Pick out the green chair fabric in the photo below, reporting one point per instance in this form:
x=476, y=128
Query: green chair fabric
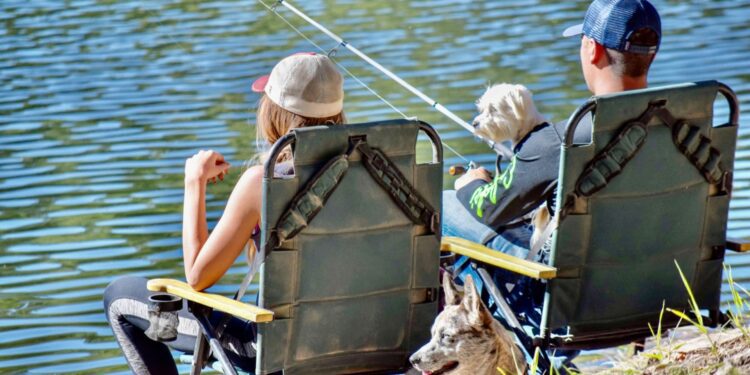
x=356, y=290
x=615, y=248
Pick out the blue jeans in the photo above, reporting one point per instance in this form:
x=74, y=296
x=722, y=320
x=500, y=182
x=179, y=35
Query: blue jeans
x=458, y=222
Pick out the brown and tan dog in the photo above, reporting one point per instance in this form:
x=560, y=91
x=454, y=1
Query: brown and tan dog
x=466, y=339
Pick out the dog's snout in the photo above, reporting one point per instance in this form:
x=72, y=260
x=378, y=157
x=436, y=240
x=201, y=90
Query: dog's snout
x=475, y=123
x=415, y=360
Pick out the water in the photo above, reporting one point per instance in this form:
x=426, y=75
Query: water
x=102, y=101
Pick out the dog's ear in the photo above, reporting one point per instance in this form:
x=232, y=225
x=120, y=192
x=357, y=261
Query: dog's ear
x=478, y=314
x=452, y=295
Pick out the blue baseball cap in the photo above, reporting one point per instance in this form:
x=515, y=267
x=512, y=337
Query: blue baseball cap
x=612, y=22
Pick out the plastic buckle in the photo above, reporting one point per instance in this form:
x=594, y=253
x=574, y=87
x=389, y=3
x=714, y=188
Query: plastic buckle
x=354, y=142
x=726, y=182
x=559, y=339
x=435, y=222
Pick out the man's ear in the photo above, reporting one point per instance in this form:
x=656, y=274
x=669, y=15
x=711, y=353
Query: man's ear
x=599, y=53
x=452, y=295
x=593, y=52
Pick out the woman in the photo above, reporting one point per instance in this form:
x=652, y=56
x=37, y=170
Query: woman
x=303, y=89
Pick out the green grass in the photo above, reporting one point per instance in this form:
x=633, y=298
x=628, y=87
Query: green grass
x=737, y=315
x=663, y=353
x=696, y=310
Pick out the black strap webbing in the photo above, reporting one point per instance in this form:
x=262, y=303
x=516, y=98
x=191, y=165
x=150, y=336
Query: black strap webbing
x=610, y=161
x=698, y=149
x=308, y=201
x=390, y=178
x=312, y=197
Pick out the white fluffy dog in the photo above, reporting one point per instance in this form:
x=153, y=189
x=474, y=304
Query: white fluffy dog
x=506, y=112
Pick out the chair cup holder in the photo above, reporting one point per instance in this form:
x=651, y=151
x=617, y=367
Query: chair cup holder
x=162, y=316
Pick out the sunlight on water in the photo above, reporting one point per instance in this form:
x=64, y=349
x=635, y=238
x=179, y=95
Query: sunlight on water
x=102, y=101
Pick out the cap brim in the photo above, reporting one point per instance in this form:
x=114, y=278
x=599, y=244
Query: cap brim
x=260, y=84
x=573, y=31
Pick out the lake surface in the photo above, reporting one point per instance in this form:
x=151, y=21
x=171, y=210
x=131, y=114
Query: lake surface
x=102, y=101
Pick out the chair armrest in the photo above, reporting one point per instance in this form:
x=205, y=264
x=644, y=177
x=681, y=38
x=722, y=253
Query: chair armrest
x=495, y=258
x=739, y=245
x=240, y=309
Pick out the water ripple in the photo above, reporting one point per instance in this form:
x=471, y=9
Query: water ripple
x=102, y=101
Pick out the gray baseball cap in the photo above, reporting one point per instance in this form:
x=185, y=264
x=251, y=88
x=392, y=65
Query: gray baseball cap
x=308, y=84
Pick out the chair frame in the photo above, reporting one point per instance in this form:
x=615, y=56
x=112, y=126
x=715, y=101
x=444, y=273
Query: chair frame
x=201, y=304
x=484, y=257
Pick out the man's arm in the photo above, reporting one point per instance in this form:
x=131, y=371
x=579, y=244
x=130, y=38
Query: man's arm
x=508, y=196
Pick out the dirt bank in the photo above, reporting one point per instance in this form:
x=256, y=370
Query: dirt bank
x=691, y=353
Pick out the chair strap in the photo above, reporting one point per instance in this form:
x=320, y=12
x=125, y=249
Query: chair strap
x=308, y=201
x=610, y=161
x=686, y=137
x=697, y=148
x=312, y=197
x=390, y=178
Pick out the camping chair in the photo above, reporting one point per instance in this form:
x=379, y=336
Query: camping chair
x=651, y=189
x=353, y=289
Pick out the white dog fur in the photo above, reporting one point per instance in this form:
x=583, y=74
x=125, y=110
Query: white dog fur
x=506, y=112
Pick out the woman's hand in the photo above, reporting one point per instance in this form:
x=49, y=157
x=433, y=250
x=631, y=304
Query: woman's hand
x=206, y=166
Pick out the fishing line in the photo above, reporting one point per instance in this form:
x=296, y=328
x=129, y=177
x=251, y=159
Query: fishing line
x=342, y=43
x=349, y=73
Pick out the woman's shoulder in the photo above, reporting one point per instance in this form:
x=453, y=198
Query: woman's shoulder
x=251, y=177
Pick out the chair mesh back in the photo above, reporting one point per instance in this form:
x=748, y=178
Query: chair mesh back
x=615, y=253
x=354, y=291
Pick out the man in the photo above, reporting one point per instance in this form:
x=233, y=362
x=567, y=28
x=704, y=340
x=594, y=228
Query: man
x=619, y=40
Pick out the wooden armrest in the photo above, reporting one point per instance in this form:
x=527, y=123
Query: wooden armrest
x=739, y=245
x=240, y=309
x=492, y=257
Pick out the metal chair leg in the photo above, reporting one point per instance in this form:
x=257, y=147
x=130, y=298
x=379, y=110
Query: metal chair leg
x=213, y=341
x=496, y=295
x=527, y=344
x=208, y=335
x=199, y=354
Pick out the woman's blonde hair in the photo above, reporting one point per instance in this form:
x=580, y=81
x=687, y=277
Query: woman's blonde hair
x=273, y=122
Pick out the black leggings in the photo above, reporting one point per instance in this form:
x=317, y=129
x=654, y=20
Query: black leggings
x=126, y=308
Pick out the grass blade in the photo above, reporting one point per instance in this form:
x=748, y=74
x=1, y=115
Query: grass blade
x=693, y=303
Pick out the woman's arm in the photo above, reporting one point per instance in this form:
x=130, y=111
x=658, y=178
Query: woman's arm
x=208, y=257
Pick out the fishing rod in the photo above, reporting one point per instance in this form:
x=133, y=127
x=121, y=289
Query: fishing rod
x=497, y=147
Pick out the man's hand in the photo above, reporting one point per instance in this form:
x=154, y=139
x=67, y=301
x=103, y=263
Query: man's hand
x=473, y=175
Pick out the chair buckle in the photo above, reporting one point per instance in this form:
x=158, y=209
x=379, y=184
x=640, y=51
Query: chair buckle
x=435, y=222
